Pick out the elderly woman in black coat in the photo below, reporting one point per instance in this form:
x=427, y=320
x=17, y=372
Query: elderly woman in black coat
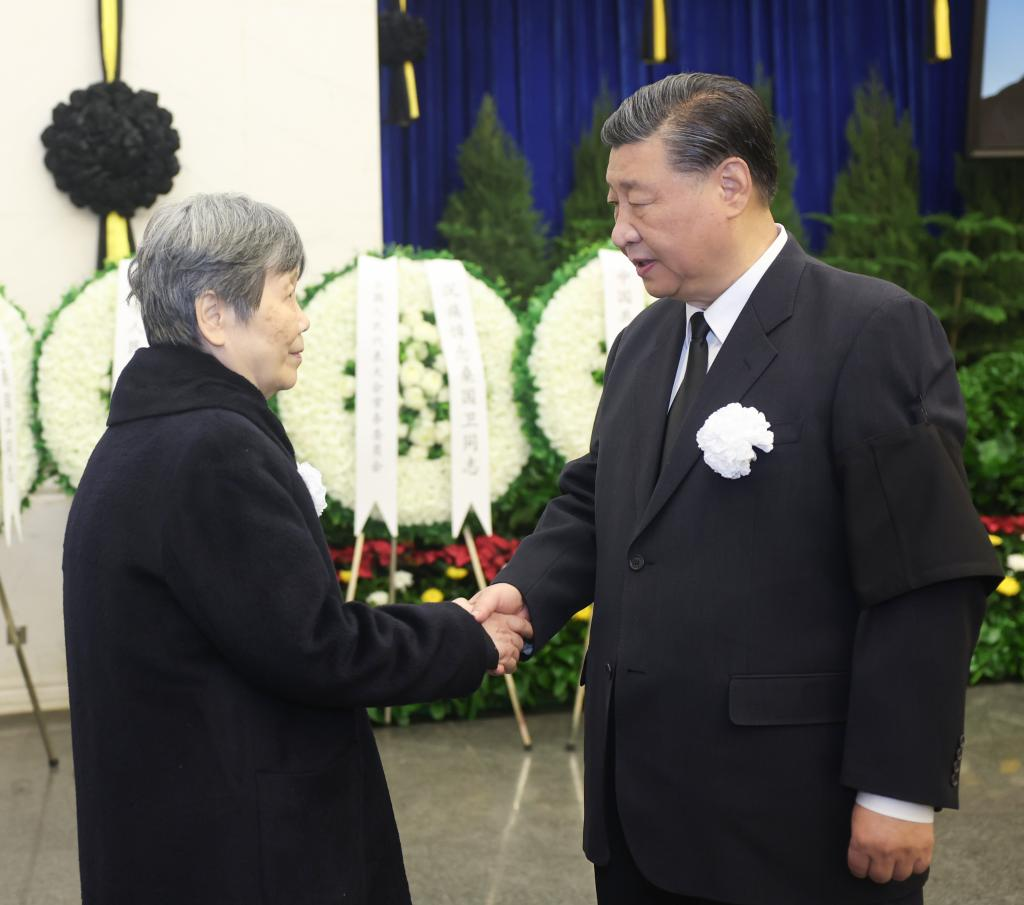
x=223, y=755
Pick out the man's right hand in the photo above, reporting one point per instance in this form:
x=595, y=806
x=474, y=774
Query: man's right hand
x=502, y=600
x=508, y=627
x=498, y=598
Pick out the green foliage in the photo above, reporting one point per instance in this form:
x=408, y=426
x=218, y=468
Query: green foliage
x=492, y=220
x=1000, y=652
x=784, y=206
x=876, y=227
x=586, y=216
x=993, y=391
x=978, y=283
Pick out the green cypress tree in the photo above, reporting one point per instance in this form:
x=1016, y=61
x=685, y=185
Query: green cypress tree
x=587, y=218
x=876, y=223
x=492, y=220
x=784, y=207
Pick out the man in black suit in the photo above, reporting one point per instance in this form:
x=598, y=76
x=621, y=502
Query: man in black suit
x=780, y=645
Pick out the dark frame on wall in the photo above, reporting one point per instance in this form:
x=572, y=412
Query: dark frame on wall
x=995, y=125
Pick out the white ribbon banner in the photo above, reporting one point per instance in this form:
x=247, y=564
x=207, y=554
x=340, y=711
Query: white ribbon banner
x=623, y=293
x=129, y=332
x=467, y=389
x=9, y=442
x=377, y=392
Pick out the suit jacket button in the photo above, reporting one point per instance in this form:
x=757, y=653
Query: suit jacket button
x=636, y=562
x=954, y=780
x=963, y=740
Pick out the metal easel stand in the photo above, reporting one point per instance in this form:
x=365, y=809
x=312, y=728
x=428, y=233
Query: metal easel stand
x=12, y=634
x=510, y=685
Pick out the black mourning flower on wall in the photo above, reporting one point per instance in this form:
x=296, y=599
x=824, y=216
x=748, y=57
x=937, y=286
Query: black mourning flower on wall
x=402, y=37
x=112, y=148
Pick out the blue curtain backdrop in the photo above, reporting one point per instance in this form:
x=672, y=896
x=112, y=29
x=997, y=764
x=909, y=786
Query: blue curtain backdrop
x=544, y=62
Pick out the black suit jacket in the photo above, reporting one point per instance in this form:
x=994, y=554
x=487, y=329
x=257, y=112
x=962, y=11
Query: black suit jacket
x=222, y=752
x=773, y=643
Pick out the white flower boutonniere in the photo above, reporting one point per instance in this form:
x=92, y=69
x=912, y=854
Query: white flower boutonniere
x=729, y=437
x=315, y=486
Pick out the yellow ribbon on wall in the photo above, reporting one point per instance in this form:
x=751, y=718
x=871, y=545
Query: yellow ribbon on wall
x=110, y=37
x=943, y=42
x=118, y=243
x=659, y=32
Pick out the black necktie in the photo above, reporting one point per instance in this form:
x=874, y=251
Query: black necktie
x=693, y=377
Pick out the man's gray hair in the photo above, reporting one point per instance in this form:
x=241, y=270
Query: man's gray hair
x=225, y=244
x=704, y=119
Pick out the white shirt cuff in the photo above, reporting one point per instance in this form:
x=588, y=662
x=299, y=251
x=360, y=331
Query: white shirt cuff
x=893, y=807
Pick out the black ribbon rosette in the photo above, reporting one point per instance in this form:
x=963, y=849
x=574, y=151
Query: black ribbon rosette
x=403, y=41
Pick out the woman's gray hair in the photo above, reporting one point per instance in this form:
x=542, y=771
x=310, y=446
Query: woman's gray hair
x=707, y=118
x=225, y=244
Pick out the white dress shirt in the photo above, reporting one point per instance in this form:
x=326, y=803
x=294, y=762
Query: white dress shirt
x=721, y=315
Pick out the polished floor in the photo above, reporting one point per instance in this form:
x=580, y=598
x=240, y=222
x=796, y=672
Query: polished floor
x=484, y=823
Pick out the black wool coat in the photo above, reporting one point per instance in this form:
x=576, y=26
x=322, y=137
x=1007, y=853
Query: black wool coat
x=771, y=645
x=218, y=682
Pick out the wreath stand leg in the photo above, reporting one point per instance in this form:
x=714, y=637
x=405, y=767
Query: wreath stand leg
x=392, y=568
x=357, y=564
x=510, y=685
x=12, y=634
x=577, y=706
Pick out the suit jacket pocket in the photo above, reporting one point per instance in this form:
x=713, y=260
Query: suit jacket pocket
x=311, y=836
x=797, y=700
x=788, y=432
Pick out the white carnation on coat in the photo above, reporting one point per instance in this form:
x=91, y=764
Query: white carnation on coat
x=730, y=436
x=315, y=486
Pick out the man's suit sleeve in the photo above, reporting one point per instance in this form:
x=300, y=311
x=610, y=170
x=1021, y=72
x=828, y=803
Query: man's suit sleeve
x=553, y=568
x=920, y=560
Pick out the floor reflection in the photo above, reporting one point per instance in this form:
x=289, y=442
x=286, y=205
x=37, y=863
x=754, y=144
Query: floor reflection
x=484, y=823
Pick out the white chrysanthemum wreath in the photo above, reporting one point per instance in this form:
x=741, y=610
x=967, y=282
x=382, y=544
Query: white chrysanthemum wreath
x=73, y=375
x=22, y=345
x=566, y=362
x=319, y=413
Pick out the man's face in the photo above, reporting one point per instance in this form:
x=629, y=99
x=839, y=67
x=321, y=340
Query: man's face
x=671, y=225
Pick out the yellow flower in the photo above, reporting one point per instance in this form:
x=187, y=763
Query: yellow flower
x=432, y=595
x=584, y=614
x=1009, y=587
x=456, y=572
x=345, y=575
x=995, y=540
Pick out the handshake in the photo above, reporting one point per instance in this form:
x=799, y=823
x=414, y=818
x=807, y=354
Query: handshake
x=501, y=611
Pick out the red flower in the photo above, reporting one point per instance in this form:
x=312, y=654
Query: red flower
x=1003, y=524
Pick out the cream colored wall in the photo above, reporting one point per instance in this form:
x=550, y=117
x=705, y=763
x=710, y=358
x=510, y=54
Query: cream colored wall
x=276, y=99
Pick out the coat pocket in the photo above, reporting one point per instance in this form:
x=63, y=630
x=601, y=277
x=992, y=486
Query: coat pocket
x=797, y=700
x=311, y=836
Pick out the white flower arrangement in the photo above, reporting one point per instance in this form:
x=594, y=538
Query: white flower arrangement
x=730, y=436
x=568, y=358
x=22, y=345
x=315, y=485
x=319, y=413
x=74, y=373
x=1015, y=562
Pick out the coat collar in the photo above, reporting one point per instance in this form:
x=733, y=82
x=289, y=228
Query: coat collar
x=742, y=360
x=166, y=380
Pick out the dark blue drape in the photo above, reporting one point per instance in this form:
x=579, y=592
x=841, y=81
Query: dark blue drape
x=544, y=62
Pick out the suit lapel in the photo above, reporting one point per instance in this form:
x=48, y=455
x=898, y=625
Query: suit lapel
x=655, y=372
x=741, y=361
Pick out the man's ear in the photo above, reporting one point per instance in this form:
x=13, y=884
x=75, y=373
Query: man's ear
x=736, y=184
x=211, y=318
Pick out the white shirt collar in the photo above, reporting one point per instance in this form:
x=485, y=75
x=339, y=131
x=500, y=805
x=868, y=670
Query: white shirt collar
x=721, y=314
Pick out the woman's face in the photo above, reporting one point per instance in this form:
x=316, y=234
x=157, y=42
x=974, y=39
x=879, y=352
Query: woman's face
x=267, y=349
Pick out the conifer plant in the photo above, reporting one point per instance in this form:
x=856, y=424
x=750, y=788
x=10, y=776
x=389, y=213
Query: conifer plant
x=492, y=220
